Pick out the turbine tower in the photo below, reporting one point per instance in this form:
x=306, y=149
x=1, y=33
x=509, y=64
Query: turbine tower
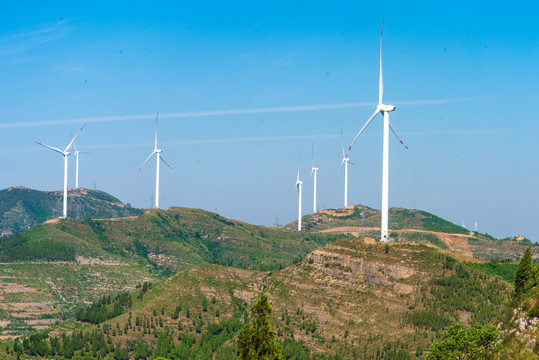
x=77, y=152
x=313, y=172
x=385, y=110
x=65, y=153
x=159, y=157
x=299, y=185
x=345, y=161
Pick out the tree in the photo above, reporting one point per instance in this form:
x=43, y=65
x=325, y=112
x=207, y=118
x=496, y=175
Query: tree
x=478, y=343
x=256, y=340
x=524, y=273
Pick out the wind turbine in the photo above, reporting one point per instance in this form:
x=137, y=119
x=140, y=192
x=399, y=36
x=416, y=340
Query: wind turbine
x=299, y=185
x=345, y=161
x=313, y=172
x=385, y=110
x=77, y=152
x=65, y=153
x=159, y=157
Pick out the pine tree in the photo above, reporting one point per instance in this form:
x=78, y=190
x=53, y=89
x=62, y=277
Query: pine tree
x=524, y=272
x=256, y=340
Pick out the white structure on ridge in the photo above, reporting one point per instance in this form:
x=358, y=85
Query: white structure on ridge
x=77, y=152
x=313, y=172
x=159, y=157
x=385, y=110
x=299, y=185
x=65, y=153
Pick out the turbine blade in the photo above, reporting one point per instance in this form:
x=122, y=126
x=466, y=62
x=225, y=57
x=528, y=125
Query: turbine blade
x=381, y=84
x=397, y=136
x=156, y=130
x=351, y=163
x=161, y=157
x=50, y=147
x=74, y=145
x=145, y=161
x=340, y=167
x=73, y=140
x=362, y=129
x=342, y=146
x=312, y=153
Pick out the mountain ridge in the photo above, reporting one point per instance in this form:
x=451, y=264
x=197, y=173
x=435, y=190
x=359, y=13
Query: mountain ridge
x=22, y=208
x=353, y=298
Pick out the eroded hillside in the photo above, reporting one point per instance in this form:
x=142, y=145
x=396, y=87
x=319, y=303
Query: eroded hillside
x=352, y=297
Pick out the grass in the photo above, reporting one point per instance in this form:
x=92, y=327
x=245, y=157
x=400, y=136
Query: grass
x=504, y=270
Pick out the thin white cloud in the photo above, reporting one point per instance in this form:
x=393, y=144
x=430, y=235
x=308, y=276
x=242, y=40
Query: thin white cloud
x=260, y=138
x=210, y=113
x=19, y=43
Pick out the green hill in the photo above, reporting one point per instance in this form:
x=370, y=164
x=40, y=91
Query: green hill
x=50, y=270
x=416, y=226
x=22, y=208
x=57, y=266
x=351, y=299
x=360, y=215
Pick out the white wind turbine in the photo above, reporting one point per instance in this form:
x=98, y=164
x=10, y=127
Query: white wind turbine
x=313, y=172
x=299, y=185
x=65, y=153
x=159, y=157
x=77, y=152
x=384, y=109
x=345, y=161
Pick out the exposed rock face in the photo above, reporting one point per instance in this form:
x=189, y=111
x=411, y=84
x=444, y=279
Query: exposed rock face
x=520, y=337
x=335, y=262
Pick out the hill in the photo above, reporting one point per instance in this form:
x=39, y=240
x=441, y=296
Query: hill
x=349, y=299
x=416, y=226
x=22, y=208
x=49, y=270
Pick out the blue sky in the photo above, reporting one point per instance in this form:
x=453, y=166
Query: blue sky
x=244, y=88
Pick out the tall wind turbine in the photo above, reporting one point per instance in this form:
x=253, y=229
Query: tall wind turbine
x=159, y=157
x=385, y=110
x=299, y=185
x=65, y=153
x=313, y=172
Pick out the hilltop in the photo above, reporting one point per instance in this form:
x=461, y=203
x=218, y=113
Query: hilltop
x=22, y=208
x=350, y=298
x=416, y=226
x=49, y=270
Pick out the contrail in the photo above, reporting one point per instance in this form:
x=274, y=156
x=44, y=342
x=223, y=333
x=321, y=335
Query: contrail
x=210, y=113
x=265, y=138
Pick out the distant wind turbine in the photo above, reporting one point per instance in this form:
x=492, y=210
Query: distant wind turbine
x=384, y=109
x=77, y=152
x=299, y=185
x=65, y=153
x=345, y=161
x=313, y=173
x=159, y=157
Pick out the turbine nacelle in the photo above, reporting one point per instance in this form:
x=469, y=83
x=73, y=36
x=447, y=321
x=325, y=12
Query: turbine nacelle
x=385, y=108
